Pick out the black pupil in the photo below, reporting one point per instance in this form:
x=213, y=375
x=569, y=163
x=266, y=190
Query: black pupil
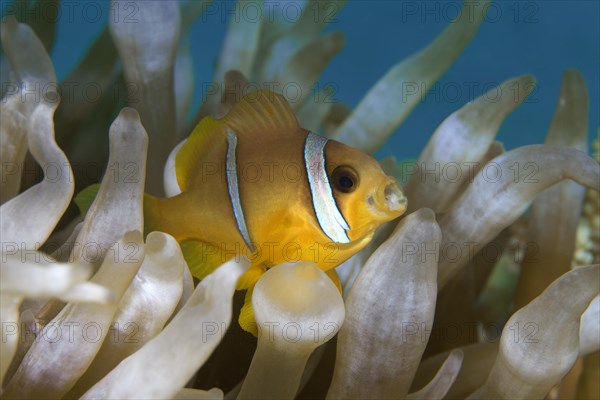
x=345, y=182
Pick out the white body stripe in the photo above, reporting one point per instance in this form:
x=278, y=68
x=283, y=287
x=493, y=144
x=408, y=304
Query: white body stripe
x=330, y=218
x=233, y=188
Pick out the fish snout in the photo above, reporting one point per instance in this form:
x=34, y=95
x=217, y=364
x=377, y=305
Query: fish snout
x=390, y=199
x=394, y=199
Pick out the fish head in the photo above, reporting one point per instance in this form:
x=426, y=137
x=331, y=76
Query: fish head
x=364, y=194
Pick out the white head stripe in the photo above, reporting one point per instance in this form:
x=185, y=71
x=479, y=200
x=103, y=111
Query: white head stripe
x=233, y=188
x=330, y=218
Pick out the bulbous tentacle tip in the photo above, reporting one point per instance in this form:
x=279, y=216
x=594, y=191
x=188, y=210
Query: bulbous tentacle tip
x=425, y=214
x=130, y=112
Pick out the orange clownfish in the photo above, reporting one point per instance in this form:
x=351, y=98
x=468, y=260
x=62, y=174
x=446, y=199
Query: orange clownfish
x=254, y=183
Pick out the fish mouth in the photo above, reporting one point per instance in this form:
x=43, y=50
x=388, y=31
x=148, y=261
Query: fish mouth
x=388, y=200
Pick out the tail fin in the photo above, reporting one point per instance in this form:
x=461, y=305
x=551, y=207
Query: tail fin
x=86, y=197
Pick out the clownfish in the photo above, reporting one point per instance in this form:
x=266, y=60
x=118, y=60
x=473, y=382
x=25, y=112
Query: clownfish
x=254, y=183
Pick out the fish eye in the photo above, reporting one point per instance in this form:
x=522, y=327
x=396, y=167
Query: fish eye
x=344, y=179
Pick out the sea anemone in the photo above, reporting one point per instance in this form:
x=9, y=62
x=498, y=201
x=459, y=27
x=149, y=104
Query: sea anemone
x=486, y=289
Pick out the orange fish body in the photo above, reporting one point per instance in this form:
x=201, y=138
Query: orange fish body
x=254, y=183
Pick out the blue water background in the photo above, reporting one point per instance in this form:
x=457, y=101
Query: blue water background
x=537, y=37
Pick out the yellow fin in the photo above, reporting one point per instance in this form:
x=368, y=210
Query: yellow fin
x=261, y=112
x=248, y=281
x=207, y=136
x=250, y=277
x=246, y=318
x=86, y=197
x=200, y=260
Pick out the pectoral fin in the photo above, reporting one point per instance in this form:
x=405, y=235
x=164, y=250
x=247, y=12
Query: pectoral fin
x=201, y=258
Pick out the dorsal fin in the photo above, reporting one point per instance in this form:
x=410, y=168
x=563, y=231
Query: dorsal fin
x=261, y=112
x=192, y=156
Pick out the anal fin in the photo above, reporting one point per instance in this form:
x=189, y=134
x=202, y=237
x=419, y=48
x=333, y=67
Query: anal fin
x=248, y=281
x=204, y=258
x=246, y=318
